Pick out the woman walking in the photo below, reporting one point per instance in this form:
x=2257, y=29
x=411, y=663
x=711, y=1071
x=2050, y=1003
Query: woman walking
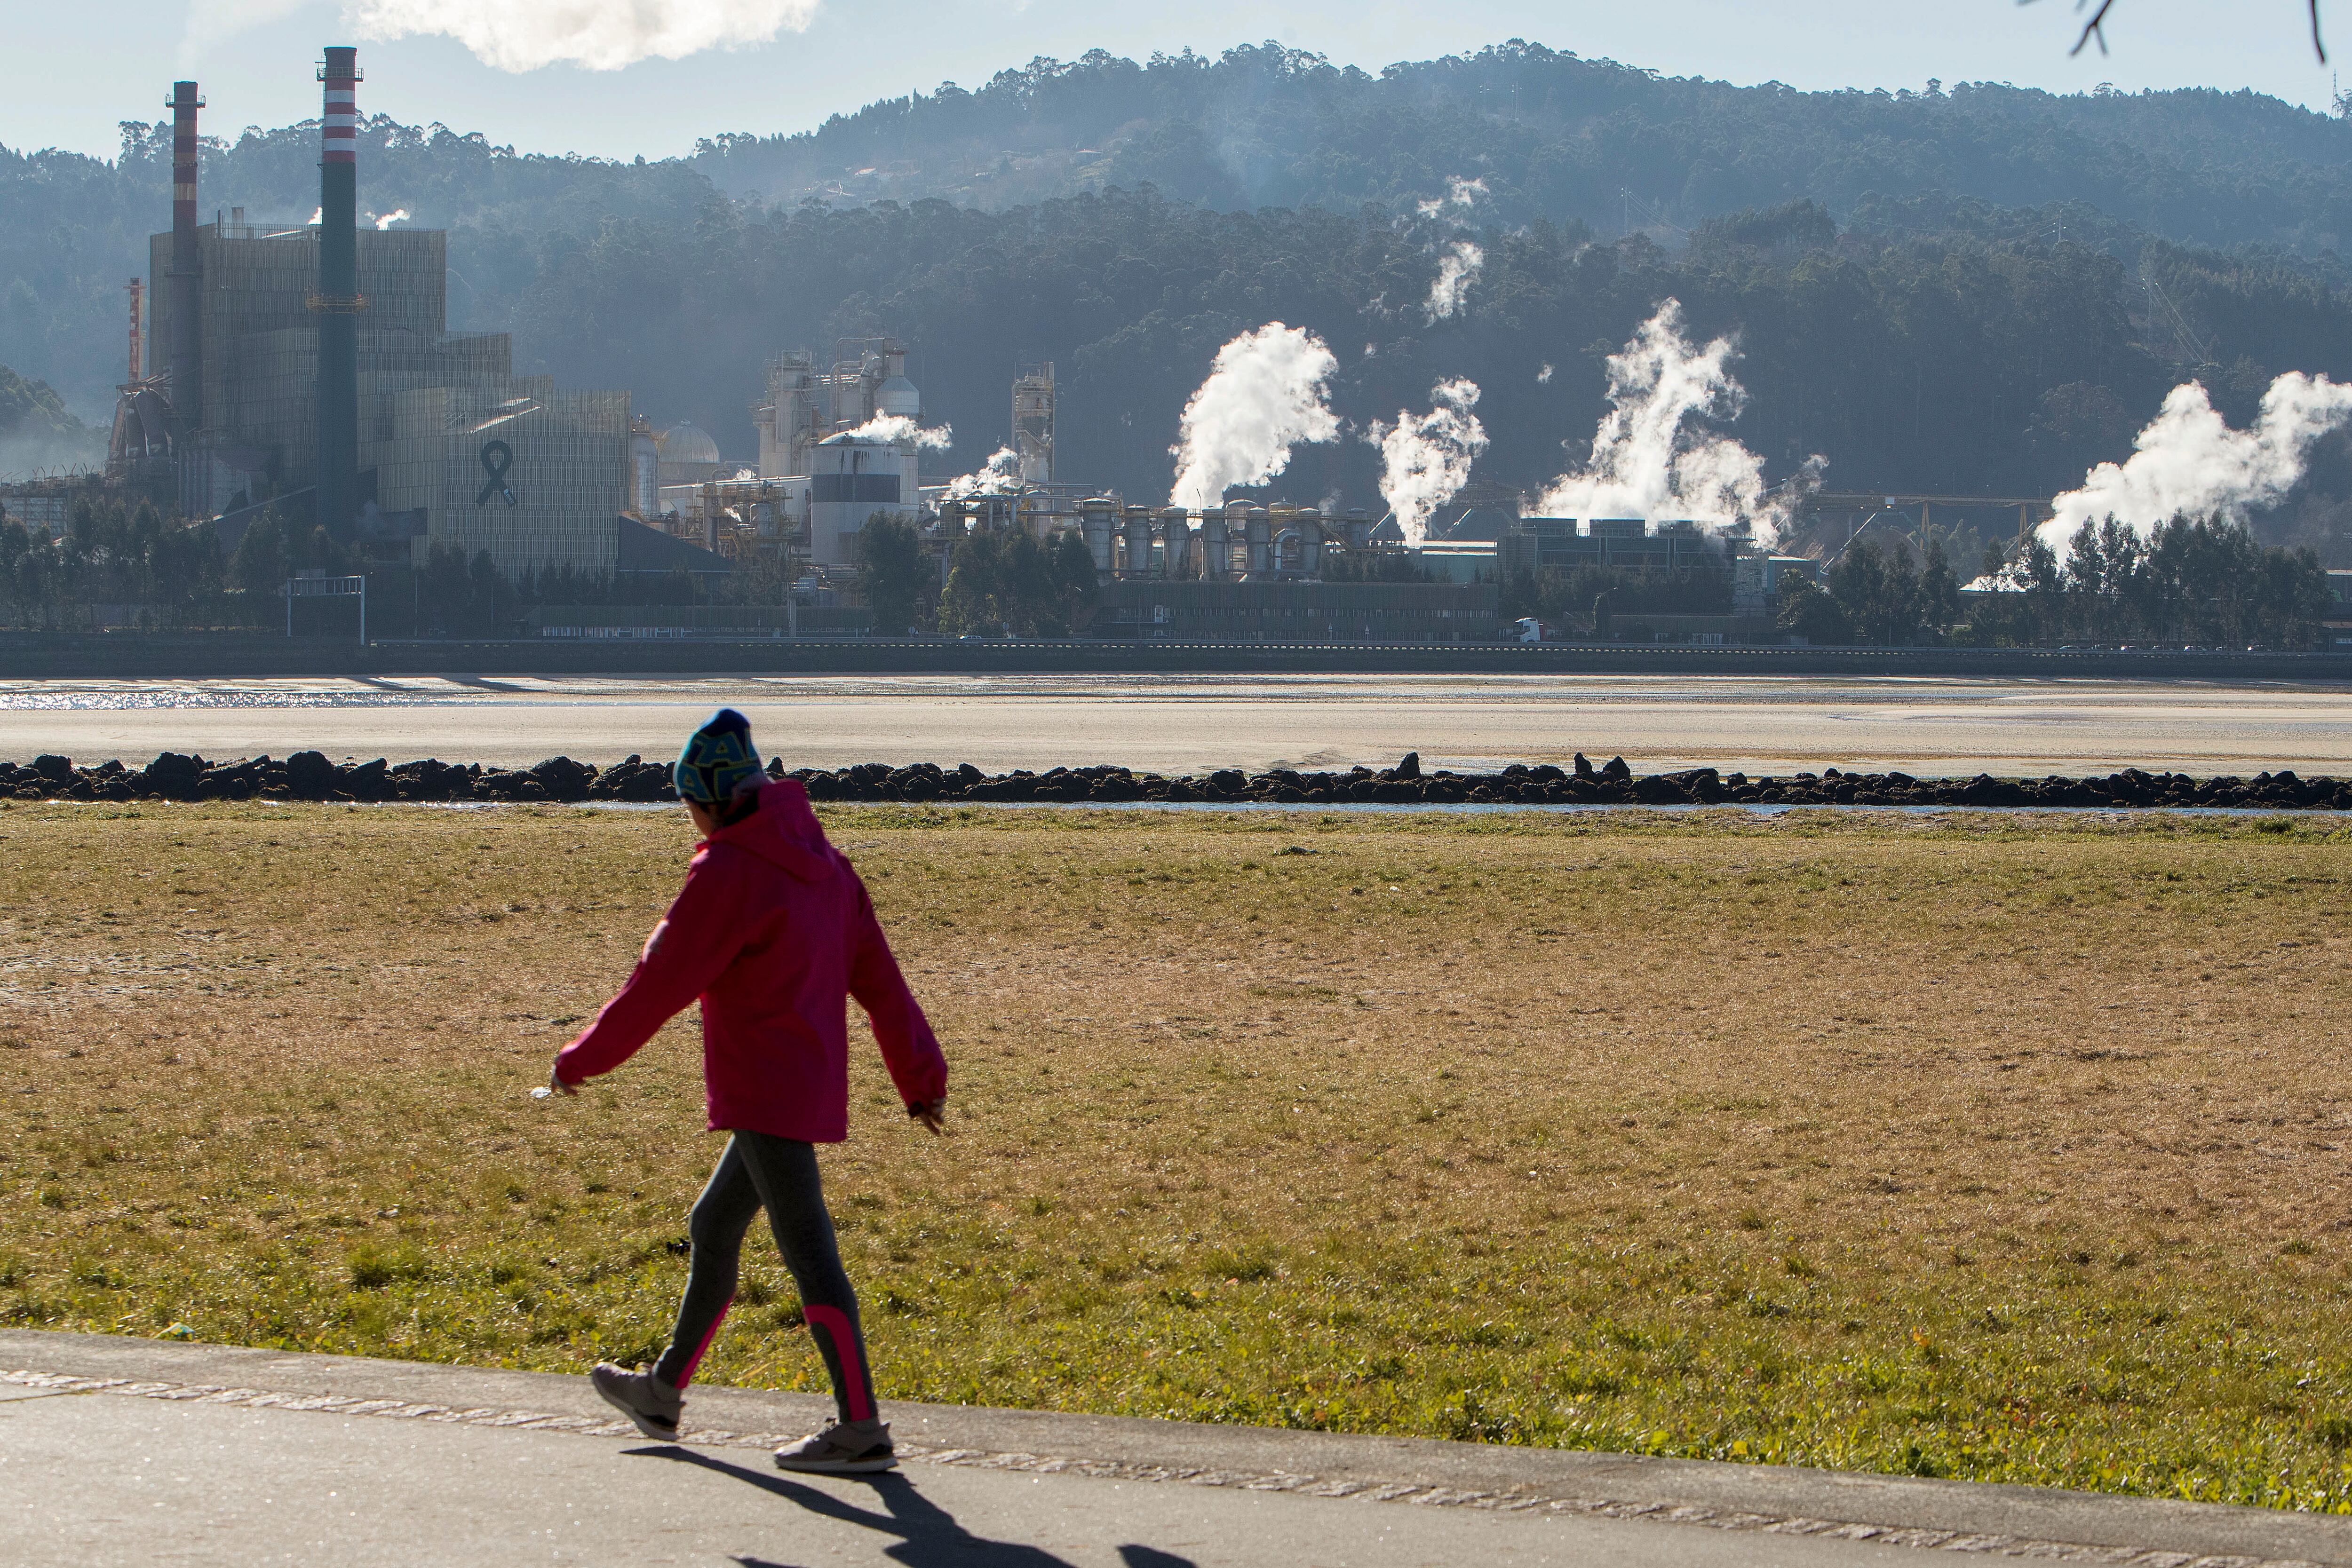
x=774, y=933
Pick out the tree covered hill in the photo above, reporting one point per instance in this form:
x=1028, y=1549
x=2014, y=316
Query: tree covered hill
x=1555, y=136
x=1981, y=288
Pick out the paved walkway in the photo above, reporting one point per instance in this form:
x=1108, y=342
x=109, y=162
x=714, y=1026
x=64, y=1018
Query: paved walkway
x=132, y=1451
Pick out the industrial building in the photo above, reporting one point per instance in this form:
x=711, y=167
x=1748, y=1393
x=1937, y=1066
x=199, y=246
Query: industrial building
x=850, y=431
x=317, y=359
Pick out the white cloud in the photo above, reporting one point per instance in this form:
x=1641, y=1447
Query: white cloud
x=600, y=35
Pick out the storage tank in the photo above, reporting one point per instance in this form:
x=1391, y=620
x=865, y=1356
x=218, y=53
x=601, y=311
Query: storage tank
x=1175, y=544
x=1098, y=521
x=897, y=395
x=855, y=478
x=1260, y=525
x=644, y=474
x=1138, y=541
x=1217, y=552
x=688, y=455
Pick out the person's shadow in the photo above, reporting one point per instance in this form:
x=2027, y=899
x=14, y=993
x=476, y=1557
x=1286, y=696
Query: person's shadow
x=929, y=1535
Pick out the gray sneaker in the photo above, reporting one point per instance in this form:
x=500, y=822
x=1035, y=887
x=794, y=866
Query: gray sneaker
x=846, y=1447
x=643, y=1399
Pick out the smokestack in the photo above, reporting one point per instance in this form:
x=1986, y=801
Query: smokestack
x=138, y=289
x=338, y=301
x=186, y=277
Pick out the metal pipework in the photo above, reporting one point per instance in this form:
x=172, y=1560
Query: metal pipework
x=338, y=301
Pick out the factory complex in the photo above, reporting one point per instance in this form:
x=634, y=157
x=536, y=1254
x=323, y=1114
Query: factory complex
x=311, y=367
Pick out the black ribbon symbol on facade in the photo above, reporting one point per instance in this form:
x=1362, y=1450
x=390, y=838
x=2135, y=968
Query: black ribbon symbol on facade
x=497, y=458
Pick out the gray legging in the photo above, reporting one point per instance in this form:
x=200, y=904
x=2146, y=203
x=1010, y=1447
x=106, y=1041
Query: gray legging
x=762, y=1171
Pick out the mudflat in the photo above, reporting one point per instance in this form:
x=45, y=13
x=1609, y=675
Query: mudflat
x=1195, y=724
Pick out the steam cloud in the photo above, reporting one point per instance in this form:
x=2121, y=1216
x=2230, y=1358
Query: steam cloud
x=1000, y=475
x=602, y=35
x=1649, y=460
x=1424, y=460
x=397, y=215
x=1455, y=269
x=1268, y=390
x=28, y=453
x=895, y=427
x=2190, y=462
x=1459, y=192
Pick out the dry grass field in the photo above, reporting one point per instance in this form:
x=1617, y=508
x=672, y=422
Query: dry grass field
x=2006, y=1149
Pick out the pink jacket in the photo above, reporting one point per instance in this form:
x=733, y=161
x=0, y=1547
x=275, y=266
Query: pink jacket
x=774, y=932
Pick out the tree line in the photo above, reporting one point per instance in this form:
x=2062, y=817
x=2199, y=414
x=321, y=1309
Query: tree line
x=2200, y=583
x=123, y=563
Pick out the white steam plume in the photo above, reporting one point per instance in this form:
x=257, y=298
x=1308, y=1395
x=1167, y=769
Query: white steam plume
x=1649, y=458
x=1459, y=192
x=1000, y=475
x=1455, y=269
x=1426, y=459
x=1268, y=390
x=397, y=215
x=602, y=35
x=2190, y=462
x=895, y=427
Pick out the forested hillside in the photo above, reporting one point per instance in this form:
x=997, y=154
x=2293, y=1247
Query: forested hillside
x=1981, y=289
x=1558, y=137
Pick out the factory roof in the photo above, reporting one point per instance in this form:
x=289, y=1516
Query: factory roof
x=646, y=549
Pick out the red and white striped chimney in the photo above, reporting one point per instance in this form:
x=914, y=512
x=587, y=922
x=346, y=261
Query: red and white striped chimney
x=341, y=129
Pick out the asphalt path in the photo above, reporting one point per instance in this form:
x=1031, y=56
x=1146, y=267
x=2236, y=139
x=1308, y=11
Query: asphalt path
x=1930, y=727
x=124, y=1451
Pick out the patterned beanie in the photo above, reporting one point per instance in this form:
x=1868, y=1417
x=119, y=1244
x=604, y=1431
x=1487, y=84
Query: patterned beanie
x=718, y=760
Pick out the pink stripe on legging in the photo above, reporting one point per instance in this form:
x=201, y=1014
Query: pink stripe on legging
x=859, y=1394
x=707, y=1335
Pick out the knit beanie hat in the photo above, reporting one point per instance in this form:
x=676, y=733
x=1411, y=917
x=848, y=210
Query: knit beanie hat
x=717, y=760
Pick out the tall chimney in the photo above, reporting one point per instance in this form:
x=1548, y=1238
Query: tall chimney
x=138, y=291
x=186, y=278
x=338, y=301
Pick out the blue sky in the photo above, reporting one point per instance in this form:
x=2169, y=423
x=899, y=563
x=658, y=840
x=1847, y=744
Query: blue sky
x=254, y=58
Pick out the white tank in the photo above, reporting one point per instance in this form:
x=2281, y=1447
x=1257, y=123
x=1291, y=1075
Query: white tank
x=897, y=395
x=856, y=477
x=688, y=455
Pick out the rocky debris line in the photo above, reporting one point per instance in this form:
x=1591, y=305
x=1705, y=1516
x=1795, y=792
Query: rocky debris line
x=309, y=776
